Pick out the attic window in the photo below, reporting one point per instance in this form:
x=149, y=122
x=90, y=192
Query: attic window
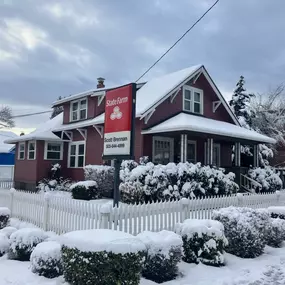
x=192, y=100
x=78, y=110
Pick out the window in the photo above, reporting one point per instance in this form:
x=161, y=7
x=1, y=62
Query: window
x=191, y=151
x=192, y=100
x=162, y=150
x=76, y=154
x=78, y=110
x=32, y=150
x=21, y=154
x=53, y=151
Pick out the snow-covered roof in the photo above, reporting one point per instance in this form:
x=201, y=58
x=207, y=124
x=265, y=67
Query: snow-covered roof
x=44, y=132
x=4, y=135
x=188, y=122
x=95, y=121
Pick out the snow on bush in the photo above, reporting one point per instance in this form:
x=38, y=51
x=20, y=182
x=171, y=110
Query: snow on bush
x=46, y=259
x=23, y=242
x=85, y=190
x=245, y=229
x=277, y=212
x=4, y=244
x=276, y=233
x=268, y=177
x=4, y=217
x=203, y=240
x=164, y=252
x=102, y=257
x=150, y=183
x=104, y=177
x=7, y=231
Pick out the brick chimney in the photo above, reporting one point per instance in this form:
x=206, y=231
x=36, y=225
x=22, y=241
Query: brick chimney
x=100, y=82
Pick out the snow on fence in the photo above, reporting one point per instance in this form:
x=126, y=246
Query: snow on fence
x=6, y=184
x=63, y=215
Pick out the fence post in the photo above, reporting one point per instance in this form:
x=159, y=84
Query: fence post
x=240, y=199
x=105, y=212
x=185, y=209
x=12, y=192
x=46, y=211
x=278, y=196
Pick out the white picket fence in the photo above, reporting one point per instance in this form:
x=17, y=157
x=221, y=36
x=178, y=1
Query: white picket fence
x=63, y=215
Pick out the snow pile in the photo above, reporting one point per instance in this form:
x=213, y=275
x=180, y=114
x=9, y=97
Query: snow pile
x=4, y=217
x=46, y=259
x=7, y=231
x=87, y=184
x=245, y=229
x=277, y=212
x=203, y=240
x=104, y=177
x=149, y=182
x=164, y=250
x=23, y=242
x=276, y=232
x=4, y=244
x=268, y=177
x=85, y=190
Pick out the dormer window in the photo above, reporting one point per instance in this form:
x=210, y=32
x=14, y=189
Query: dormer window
x=192, y=100
x=78, y=110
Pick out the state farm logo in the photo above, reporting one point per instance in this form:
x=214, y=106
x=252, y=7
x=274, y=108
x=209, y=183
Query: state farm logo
x=117, y=114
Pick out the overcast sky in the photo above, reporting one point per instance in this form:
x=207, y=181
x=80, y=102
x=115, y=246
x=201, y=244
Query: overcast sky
x=57, y=48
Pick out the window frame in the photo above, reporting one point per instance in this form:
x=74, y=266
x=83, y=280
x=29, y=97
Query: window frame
x=78, y=109
x=19, y=151
x=195, y=144
x=76, y=143
x=163, y=139
x=34, y=151
x=192, y=101
x=46, y=150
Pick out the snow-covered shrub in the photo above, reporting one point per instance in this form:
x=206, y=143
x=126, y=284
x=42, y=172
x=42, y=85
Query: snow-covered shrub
x=268, y=177
x=104, y=177
x=46, y=259
x=102, y=257
x=245, y=229
x=7, y=231
x=203, y=240
x=4, y=244
x=4, y=217
x=277, y=212
x=85, y=190
x=164, y=252
x=275, y=233
x=151, y=183
x=23, y=242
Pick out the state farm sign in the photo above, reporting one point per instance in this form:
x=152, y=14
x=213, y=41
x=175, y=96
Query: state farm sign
x=119, y=122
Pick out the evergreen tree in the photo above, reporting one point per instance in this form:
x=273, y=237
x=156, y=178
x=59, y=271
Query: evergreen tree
x=240, y=103
x=56, y=110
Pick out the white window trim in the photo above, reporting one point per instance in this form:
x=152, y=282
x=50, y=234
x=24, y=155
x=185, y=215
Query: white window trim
x=218, y=145
x=195, y=144
x=192, y=90
x=164, y=139
x=46, y=150
x=78, y=110
x=76, y=156
x=35, y=150
x=19, y=146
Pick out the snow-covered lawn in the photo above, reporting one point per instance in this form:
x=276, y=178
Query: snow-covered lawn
x=267, y=269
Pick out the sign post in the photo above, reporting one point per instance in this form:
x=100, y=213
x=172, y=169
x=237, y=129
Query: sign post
x=120, y=104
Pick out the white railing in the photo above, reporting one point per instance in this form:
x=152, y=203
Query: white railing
x=249, y=184
x=63, y=215
x=6, y=184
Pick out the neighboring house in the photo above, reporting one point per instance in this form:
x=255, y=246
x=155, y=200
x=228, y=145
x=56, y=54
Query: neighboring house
x=180, y=116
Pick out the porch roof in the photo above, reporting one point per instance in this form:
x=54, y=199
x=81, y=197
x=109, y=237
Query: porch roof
x=188, y=122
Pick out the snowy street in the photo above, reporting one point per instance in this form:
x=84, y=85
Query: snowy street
x=267, y=269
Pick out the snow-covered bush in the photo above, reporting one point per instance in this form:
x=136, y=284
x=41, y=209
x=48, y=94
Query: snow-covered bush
x=277, y=212
x=245, y=229
x=275, y=233
x=102, y=257
x=4, y=217
x=104, y=177
x=7, y=231
x=85, y=190
x=268, y=177
x=46, y=259
x=23, y=242
x=164, y=252
x=4, y=244
x=150, y=183
x=203, y=240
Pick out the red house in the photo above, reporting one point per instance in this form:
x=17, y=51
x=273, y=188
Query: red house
x=181, y=116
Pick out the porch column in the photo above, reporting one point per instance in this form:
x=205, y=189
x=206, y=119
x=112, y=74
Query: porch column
x=183, y=151
x=256, y=155
x=210, y=145
x=237, y=154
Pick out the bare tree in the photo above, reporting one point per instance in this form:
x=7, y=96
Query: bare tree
x=6, y=118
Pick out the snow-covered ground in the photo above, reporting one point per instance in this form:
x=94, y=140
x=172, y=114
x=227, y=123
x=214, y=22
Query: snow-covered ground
x=267, y=269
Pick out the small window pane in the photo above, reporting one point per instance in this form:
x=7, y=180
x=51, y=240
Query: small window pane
x=22, y=147
x=197, y=108
x=31, y=146
x=53, y=155
x=22, y=155
x=191, y=152
x=73, y=149
x=197, y=97
x=83, y=104
x=187, y=94
x=74, y=116
x=81, y=149
x=74, y=106
x=187, y=105
x=54, y=147
x=31, y=155
x=72, y=161
x=80, y=161
x=82, y=114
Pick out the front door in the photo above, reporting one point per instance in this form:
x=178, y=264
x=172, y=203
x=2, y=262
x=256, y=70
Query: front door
x=217, y=154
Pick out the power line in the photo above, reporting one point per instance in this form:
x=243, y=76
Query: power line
x=178, y=40
x=31, y=114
